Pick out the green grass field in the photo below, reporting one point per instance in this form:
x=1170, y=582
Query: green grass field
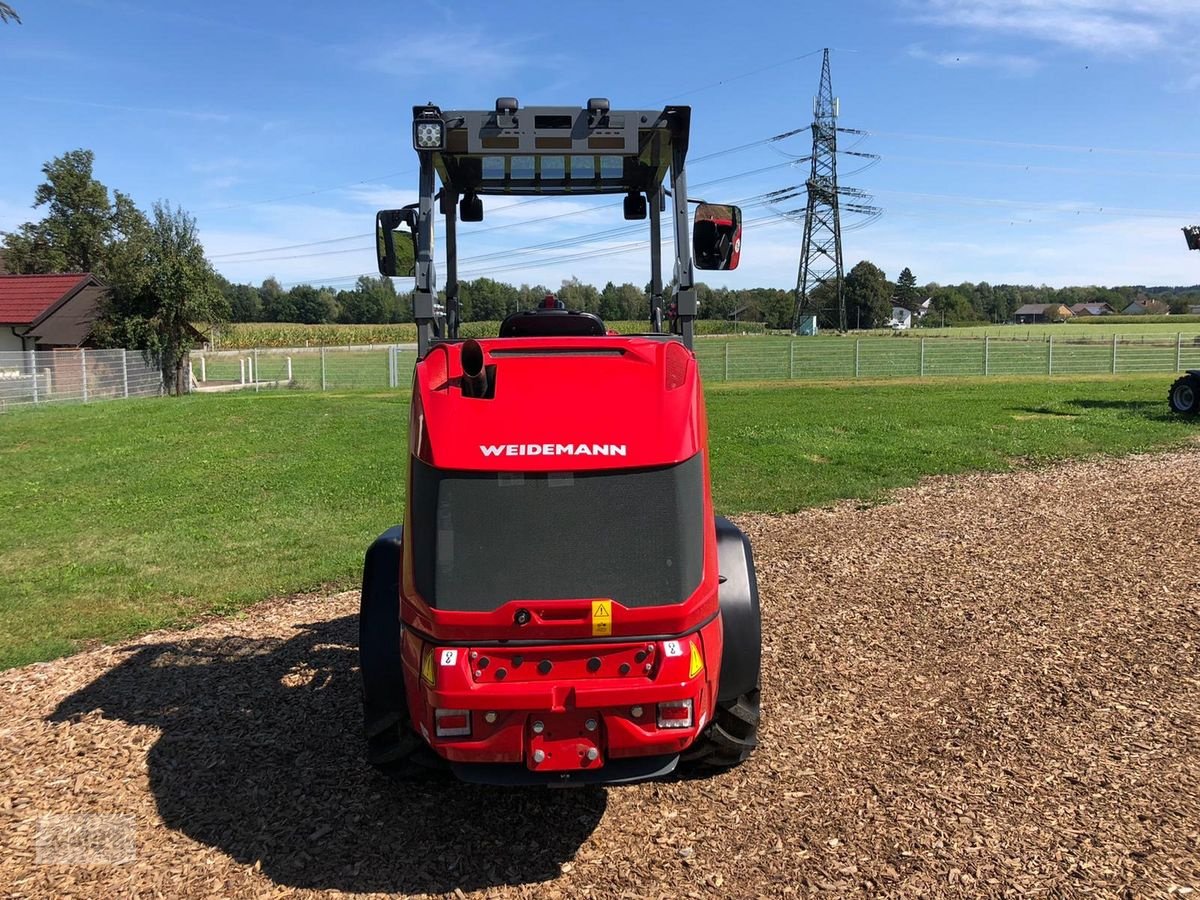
x=121, y=517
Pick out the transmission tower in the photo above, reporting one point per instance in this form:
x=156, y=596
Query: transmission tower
x=819, y=285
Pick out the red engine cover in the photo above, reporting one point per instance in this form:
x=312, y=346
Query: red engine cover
x=561, y=404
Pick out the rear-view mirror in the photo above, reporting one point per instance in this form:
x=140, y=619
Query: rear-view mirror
x=396, y=242
x=717, y=236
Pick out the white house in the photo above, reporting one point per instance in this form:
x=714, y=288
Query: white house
x=901, y=318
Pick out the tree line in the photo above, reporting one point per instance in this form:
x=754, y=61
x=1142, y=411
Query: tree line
x=375, y=300
x=869, y=296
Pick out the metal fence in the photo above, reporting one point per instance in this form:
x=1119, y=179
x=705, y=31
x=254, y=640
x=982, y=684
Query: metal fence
x=753, y=358
x=781, y=359
x=305, y=368
x=29, y=377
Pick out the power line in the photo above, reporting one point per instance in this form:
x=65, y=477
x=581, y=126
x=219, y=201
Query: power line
x=337, y=187
x=380, y=178
x=226, y=257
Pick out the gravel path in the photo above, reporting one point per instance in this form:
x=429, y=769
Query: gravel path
x=989, y=686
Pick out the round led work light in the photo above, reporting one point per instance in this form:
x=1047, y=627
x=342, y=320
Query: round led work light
x=429, y=134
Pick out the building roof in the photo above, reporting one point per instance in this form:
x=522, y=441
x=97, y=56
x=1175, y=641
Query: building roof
x=1090, y=307
x=1034, y=309
x=24, y=299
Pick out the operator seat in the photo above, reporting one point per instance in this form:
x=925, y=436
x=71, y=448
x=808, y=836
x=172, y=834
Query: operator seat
x=552, y=322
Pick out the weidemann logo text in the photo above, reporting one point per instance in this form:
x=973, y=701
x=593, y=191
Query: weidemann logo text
x=553, y=449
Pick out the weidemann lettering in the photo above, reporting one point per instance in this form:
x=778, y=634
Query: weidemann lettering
x=553, y=449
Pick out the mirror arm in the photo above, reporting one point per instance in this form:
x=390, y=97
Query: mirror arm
x=656, y=203
x=450, y=206
x=684, y=295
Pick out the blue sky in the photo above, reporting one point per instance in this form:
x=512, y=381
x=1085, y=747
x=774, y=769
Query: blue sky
x=1029, y=141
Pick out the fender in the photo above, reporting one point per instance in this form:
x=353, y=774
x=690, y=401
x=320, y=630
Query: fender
x=738, y=595
x=379, y=624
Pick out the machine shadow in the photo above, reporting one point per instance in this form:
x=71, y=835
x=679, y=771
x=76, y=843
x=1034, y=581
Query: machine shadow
x=261, y=758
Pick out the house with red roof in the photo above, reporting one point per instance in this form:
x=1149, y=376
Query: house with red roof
x=48, y=312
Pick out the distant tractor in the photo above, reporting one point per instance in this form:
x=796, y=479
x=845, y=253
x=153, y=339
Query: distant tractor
x=1185, y=392
x=561, y=605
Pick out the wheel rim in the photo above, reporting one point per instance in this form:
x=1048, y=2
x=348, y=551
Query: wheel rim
x=1185, y=397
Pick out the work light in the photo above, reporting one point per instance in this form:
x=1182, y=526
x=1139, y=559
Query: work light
x=429, y=134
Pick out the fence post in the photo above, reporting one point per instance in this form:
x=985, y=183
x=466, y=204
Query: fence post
x=33, y=369
x=203, y=369
x=322, y=368
x=922, y=357
x=125, y=372
x=1114, y=358
x=289, y=369
x=241, y=370
x=987, y=354
x=792, y=358
x=83, y=372
x=254, y=370
x=1178, y=349
x=727, y=360
x=1050, y=357
x=857, y=345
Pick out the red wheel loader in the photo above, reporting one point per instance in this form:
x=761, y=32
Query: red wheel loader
x=561, y=605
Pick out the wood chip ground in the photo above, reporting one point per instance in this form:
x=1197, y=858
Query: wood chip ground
x=988, y=687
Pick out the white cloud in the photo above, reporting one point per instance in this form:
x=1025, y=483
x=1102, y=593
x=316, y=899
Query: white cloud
x=1119, y=27
x=1006, y=62
x=473, y=55
x=194, y=115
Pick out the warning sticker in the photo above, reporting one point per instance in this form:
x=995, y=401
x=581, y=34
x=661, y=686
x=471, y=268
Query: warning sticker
x=696, y=664
x=601, y=618
x=672, y=648
x=449, y=657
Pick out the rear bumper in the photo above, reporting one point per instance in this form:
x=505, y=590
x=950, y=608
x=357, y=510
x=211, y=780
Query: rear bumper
x=621, y=771
x=562, y=714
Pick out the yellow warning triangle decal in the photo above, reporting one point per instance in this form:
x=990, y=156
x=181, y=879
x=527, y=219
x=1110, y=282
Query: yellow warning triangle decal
x=697, y=663
x=427, y=667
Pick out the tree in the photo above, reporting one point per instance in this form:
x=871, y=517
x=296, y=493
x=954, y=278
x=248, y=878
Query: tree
x=372, y=301
x=309, y=305
x=8, y=14
x=161, y=285
x=907, y=294
x=577, y=295
x=80, y=225
x=868, y=296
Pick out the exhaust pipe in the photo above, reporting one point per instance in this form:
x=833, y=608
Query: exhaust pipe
x=475, y=375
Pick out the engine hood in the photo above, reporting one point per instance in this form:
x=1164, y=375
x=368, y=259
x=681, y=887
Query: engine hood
x=559, y=404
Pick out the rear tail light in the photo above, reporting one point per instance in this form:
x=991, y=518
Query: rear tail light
x=675, y=714
x=452, y=722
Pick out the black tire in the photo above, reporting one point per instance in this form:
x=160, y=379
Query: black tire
x=1184, y=396
x=730, y=738
x=733, y=733
x=392, y=746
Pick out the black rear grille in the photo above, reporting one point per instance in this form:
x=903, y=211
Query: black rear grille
x=481, y=539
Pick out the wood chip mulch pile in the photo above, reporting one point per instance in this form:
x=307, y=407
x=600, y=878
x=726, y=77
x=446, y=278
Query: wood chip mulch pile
x=990, y=686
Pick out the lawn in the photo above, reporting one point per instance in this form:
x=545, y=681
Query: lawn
x=121, y=517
